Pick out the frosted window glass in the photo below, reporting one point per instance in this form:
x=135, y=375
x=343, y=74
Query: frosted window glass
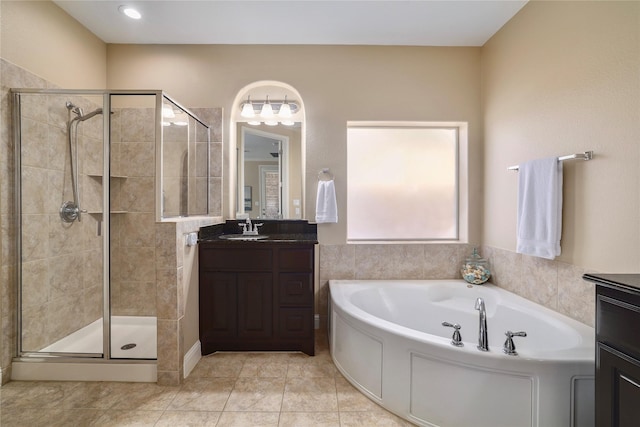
x=402, y=183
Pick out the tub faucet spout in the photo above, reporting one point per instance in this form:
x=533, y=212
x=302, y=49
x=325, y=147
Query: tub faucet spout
x=483, y=340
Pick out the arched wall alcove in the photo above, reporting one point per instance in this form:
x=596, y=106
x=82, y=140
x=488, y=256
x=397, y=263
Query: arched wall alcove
x=291, y=164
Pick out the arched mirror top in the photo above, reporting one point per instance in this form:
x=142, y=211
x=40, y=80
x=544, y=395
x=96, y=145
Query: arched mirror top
x=267, y=132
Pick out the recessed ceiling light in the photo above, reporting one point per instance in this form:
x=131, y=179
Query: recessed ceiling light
x=130, y=12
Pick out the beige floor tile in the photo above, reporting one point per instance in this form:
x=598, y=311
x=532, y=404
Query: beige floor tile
x=144, y=396
x=256, y=394
x=38, y=394
x=188, y=419
x=203, y=394
x=309, y=419
x=312, y=368
x=350, y=399
x=264, y=369
x=33, y=417
x=94, y=395
x=225, y=366
x=379, y=418
x=302, y=394
x=123, y=418
x=246, y=419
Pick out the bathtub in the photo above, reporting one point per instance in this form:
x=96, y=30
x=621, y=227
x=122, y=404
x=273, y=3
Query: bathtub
x=387, y=339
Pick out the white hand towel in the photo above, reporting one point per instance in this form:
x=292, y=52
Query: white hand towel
x=326, y=206
x=540, y=208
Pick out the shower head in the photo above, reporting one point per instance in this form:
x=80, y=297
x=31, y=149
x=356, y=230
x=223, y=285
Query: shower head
x=74, y=108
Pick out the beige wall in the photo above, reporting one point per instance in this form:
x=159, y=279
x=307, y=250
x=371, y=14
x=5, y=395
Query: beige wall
x=561, y=78
x=42, y=38
x=337, y=84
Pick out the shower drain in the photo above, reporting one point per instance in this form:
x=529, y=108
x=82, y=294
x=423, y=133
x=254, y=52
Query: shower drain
x=127, y=346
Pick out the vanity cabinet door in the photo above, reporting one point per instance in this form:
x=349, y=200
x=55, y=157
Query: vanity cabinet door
x=618, y=390
x=255, y=305
x=218, y=309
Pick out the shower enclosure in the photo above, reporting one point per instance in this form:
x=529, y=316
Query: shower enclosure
x=90, y=188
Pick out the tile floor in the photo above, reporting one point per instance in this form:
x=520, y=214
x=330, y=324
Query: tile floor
x=224, y=389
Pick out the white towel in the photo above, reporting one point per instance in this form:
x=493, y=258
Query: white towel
x=326, y=206
x=540, y=208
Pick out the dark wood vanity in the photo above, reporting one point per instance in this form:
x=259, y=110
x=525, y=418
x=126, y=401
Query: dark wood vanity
x=617, y=349
x=258, y=295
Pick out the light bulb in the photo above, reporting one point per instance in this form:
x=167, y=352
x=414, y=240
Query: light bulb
x=247, y=109
x=267, y=110
x=285, y=109
x=130, y=12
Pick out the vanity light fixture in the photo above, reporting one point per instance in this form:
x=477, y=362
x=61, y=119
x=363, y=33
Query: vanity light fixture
x=269, y=112
x=129, y=11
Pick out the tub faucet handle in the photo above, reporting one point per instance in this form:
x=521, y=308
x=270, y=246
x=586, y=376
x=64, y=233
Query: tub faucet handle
x=457, y=338
x=509, y=346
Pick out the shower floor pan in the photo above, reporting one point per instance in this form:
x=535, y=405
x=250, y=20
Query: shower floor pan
x=132, y=337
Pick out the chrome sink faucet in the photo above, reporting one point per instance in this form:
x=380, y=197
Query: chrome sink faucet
x=483, y=340
x=249, y=229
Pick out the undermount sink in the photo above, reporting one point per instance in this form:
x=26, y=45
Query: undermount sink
x=245, y=237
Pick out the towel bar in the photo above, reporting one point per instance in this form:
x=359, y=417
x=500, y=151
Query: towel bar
x=587, y=155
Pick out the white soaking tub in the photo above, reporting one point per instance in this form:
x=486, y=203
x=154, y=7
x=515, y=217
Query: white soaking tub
x=387, y=339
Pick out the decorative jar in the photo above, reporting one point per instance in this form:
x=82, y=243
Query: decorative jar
x=475, y=269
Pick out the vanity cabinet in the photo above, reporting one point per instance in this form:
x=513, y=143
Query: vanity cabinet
x=617, y=349
x=256, y=296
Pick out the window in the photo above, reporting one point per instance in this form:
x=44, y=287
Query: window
x=404, y=181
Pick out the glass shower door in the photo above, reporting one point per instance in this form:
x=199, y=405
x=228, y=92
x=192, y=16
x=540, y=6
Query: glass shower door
x=133, y=134
x=59, y=153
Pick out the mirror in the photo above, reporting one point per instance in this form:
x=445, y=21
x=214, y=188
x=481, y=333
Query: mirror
x=269, y=171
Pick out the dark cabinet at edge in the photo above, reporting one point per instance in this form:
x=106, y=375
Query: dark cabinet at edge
x=256, y=297
x=617, y=357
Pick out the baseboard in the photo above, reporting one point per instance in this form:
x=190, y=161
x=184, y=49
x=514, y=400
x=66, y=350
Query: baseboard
x=192, y=358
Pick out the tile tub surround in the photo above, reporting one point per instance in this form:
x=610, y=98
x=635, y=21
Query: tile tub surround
x=224, y=389
x=553, y=284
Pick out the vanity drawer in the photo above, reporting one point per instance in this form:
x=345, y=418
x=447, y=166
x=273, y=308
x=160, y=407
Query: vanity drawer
x=295, y=289
x=295, y=259
x=296, y=322
x=618, y=324
x=236, y=259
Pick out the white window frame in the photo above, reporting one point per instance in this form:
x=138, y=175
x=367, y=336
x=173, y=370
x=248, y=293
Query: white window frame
x=462, y=177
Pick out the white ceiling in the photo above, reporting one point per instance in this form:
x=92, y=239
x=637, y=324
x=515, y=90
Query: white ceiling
x=331, y=22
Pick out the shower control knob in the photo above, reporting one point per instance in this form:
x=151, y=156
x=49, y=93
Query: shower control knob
x=456, y=340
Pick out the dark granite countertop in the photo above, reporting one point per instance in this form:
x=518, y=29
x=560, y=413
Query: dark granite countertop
x=277, y=231
x=630, y=282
